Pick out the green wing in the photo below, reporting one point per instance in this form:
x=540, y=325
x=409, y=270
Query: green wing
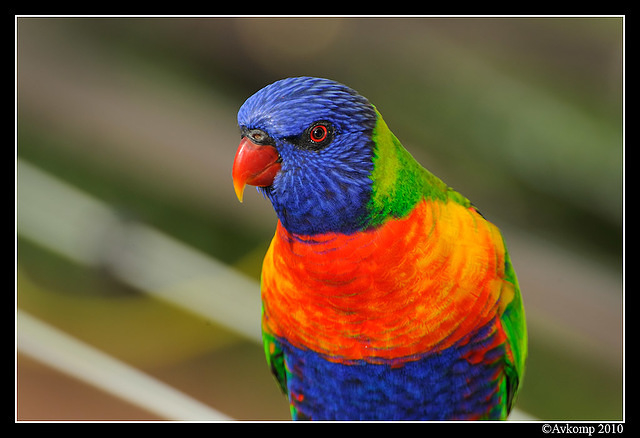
x=514, y=325
x=275, y=359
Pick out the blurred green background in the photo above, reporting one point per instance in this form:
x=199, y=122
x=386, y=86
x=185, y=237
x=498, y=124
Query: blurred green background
x=522, y=115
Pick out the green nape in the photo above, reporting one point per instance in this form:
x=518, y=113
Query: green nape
x=399, y=181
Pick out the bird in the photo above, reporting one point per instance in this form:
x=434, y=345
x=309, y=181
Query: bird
x=385, y=293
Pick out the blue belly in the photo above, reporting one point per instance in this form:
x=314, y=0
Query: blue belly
x=437, y=386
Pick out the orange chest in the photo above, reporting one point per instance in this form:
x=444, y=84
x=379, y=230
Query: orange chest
x=409, y=286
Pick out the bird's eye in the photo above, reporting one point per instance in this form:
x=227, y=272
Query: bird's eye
x=317, y=136
x=318, y=133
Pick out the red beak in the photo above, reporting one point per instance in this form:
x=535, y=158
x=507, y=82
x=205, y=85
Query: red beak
x=256, y=165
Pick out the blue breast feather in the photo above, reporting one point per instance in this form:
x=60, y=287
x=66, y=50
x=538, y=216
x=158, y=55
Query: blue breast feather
x=439, y=385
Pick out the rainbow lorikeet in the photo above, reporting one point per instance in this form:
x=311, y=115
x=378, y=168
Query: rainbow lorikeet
x=385, y=294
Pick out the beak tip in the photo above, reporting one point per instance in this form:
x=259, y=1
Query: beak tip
x=239, y=189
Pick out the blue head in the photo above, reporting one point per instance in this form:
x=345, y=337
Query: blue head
x=307, y=144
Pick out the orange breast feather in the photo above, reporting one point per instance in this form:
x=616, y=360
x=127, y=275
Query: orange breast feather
x=410, y=286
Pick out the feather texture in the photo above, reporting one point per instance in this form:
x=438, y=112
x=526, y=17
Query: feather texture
x=386, y=295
